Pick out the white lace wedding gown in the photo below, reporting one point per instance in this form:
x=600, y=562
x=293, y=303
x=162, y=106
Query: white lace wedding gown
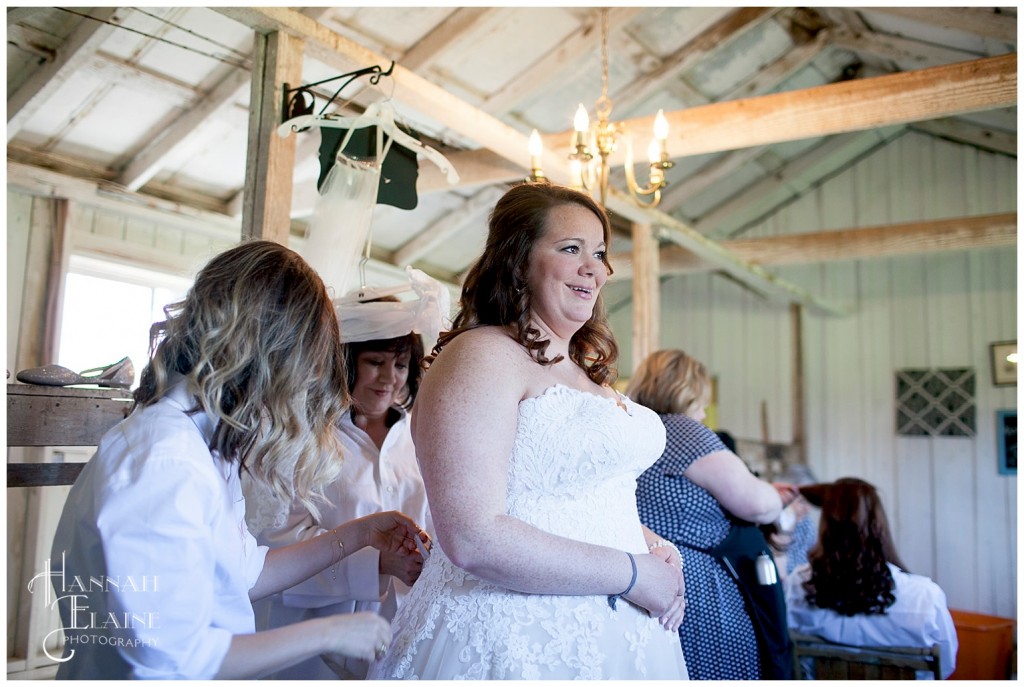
x=572, y=472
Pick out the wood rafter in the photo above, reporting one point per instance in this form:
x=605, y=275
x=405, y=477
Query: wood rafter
x=984, y=84
x=791, y=180
x=549, y=68
x=447, y=226
x=83, y=42
x=728, y=28
x=960, y=233
x=980, y=21
x=972, y=134
x=899, y=49
x=934, y=93
x=148, y=161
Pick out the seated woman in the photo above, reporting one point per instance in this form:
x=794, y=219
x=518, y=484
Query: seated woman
x=855, y=590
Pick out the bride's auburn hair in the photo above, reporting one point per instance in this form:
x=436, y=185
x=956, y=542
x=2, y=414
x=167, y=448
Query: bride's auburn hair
x=257, y=339
x=495, y=291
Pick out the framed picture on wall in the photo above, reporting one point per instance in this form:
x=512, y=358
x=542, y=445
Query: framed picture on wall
x=1004, y=363
x=1006, y=441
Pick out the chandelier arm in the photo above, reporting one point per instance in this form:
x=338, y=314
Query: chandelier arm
x=634, y=188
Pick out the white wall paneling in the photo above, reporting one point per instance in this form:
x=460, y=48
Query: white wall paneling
x=953, y=515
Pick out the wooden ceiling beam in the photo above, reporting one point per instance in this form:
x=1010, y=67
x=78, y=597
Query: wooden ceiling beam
x=767, y=78
x=880, y=101
x=904, y=51
x=753, y=276
x=692, y=52
x=427, y=49
x=790, y=181
x=959, y=233
x=962, y=131
x=980, y=21
x=148, y=161
x=447, y=226
x=551, y=66
x=83, y=42
x=933, y=93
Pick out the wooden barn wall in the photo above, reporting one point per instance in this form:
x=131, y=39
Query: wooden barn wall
x=953, y=515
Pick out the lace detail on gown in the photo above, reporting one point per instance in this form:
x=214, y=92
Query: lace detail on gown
x=572, y=472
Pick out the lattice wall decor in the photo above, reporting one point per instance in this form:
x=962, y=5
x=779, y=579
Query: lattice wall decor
x=938, y=402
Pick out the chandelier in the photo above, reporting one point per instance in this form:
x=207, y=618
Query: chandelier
x=593, y=145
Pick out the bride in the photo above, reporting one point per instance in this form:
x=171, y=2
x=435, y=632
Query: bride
x=542, y=569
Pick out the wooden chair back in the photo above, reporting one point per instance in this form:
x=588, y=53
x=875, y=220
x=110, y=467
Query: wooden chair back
x=831, y=661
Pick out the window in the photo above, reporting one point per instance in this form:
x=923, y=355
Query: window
x=108, y=310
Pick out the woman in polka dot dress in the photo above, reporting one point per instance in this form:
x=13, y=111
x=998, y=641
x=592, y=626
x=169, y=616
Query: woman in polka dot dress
x=686, y=497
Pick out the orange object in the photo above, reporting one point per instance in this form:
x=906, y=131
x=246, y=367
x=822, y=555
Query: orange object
x=986, y=644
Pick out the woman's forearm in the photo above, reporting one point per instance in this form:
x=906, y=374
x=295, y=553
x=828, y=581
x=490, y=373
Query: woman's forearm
x=255, y=655
x=356, y=635
x=289, y=565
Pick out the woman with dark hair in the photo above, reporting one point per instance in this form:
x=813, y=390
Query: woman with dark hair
x=378, y=473
x=529, y=457
x=247, y=376
x=855, y=590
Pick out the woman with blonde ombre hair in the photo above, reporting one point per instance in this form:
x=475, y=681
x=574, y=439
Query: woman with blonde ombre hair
x=672, y=382
x=701, y=497
x=247, y=375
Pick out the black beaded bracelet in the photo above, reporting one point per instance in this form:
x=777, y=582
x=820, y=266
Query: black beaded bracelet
x=615, y=597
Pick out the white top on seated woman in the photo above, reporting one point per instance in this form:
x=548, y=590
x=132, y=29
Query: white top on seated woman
x=855, y=590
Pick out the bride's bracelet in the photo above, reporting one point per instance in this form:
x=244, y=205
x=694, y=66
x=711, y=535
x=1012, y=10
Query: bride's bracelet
x=664, y=542
x=615, y=597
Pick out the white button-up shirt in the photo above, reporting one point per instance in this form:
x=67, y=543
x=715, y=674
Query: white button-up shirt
x=371, y=481
x=919, y=617
x=152, y=561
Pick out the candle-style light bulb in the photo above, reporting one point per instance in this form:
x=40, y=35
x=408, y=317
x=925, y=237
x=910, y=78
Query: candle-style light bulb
x=654, y=152
x=661, y=126
x=535, y=147
x=581, y=122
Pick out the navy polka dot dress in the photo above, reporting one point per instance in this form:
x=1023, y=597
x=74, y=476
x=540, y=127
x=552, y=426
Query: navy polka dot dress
x=717, y=635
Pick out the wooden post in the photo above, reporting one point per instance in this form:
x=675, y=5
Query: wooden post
x=60, y=254
x=270, y=160
x=646, y=294
x=796, y=324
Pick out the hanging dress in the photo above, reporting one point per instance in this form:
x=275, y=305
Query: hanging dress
x=343, y=216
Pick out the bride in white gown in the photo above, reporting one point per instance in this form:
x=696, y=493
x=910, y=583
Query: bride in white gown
x=542, y=569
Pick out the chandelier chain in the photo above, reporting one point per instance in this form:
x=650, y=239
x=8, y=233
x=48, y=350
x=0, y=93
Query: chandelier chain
x=603, y=107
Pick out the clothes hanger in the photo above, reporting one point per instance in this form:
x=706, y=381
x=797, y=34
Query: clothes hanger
x=382, y=115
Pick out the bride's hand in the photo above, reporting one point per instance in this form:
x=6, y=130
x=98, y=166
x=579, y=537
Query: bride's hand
x=672, y=619
x=657, y=584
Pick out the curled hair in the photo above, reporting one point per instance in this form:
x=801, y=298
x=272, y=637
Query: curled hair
x=496, y=291
x=411, y=343
x=257, y=339
x=670, y=381
x=849, y=564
